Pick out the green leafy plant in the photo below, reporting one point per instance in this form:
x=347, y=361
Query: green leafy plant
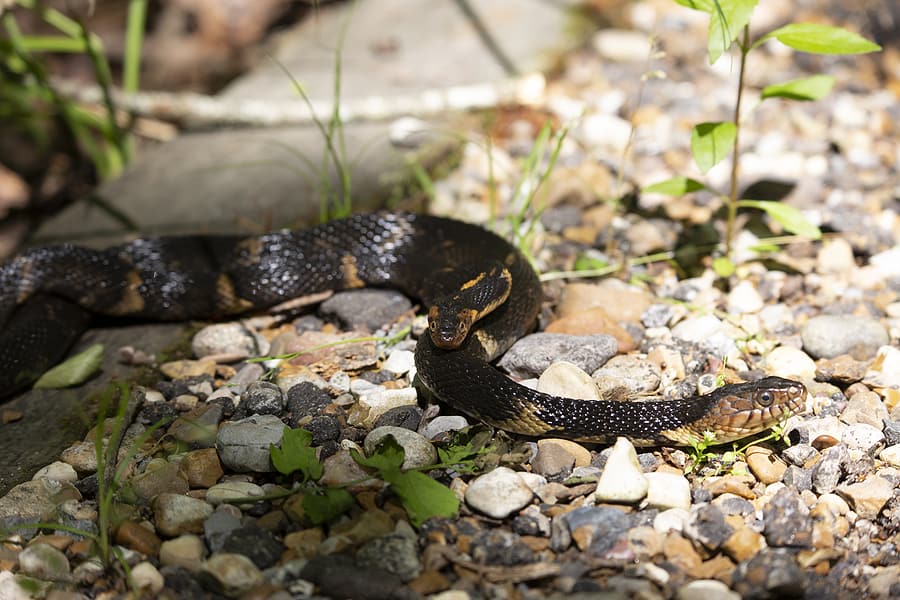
x=701, y=455
x=29, y=98
x=712, y=142
x=421, y=496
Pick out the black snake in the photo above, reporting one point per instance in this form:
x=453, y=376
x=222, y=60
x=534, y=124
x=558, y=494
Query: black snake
x=47, y=295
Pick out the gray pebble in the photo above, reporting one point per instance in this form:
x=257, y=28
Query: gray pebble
x=500, y=547
x=892, y=432
x=553, y=462
x=533, y=354
x=444, y=424
x=338, y=576
x=174, y=514
x=367, y=309
x=218, y=525
x=787, y=521
x=243, y=445
x=863, y=437
x=394, y=553
x=798, y=478
x=231, y=339
x=231, y=574
x=262, y=398
x=782, y=577
x=418, y=450
x=707, y=525
x=257, y=544
x=827, y=336
x=43, y=561
x=826, y=474
x=407, y=417
x=799, y=454
x=627, y=376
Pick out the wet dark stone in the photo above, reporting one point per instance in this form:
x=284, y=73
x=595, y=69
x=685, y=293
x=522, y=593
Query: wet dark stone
x=328, y=448
x=305, y=400
x=155, y=412
x=354, y=434
x=700, y=495
x=407, y=417
x=171, y=389
x=377, y=377
x=735, y=505
x=499, y=547
x=787, y=521
x=368, y=309
x=255, y=543
x=526, y=525
x=708, y=526
x=607, y=526
x=770, y=574
x=649, y=462
x=308, y=323
x=181, y=583
x=225, y=405
x=324, y=428
x=338, y=576
x=87, y=486
x=393, y=553
x=262, y=398
x=218, y=527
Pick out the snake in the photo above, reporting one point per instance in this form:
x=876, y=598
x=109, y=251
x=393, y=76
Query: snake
x=483, y=295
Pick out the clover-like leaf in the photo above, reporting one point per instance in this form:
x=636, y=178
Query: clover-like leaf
x=74, y=371
x=711, y=143
x=423, y=497
x=295, y=454
x=327, y=506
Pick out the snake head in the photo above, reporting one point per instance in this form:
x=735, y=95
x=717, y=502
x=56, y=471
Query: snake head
x=448, y=326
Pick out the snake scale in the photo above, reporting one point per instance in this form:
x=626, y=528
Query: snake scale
x=47, y=296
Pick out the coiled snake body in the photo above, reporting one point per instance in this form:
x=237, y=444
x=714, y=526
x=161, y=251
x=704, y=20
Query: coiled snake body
x=47, y=295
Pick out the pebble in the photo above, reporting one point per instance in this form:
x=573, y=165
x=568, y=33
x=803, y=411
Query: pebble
x=668, y=491
x=621, y=45
x=367, y=309
x=787, y=521
x=835, y=257
x=394, y=553
x=186, y=551
x=500, y=547
x=138, y=538
x=744, y=298
x=769, y=574
x=262, y=398
x=706, y=589
x=43, y=561
x=864, y=438
x=232, y=490
x=184, y=369
x=672, y=519
x=444, y=424
x=744, y=544
x=498, y=493
x=407, y=417
x=709, y=333
x=201, y=468
x=175, y=514
x=577, y=451
x=340, y=469
x=553, y=462
x=765, y=465
x=533, y=354
x=57, y=471
x=622, y=480
x=707, y=526
x=594, y=321
x=34, y=501
x=371, y=406
x=884, y=371
x=865, y=408
x=891, y=455
x=243, y=445
x=827, y=472
x=418, y=450
x=198, y=427
x=565, y=379
x=254, y=542
x=627, y=376
x=399, y=362
x=159, y=476
x=790, y=363
x=622, y=302
x=828, y=336
x=232, y=574
x=223, y=521
x=146, y=578
x=233, y=340
x=340, y=577
x=867, y=497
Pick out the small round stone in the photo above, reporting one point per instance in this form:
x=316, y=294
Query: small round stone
x=232, y=490
x=827, y=336
x=233, y=574
x=499, y=493
x=147, y=578
x=418, y=450
x=667, y=491
x=565, y=379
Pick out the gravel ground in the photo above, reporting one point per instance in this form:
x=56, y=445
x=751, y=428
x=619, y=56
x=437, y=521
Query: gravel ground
x=813, y=515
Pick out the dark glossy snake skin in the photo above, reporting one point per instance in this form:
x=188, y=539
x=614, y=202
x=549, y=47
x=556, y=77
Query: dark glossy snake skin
x=47, y=295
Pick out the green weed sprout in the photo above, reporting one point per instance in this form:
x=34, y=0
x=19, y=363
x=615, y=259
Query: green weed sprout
x=712, y=142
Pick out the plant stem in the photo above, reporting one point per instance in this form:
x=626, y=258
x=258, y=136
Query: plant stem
x=735, y=153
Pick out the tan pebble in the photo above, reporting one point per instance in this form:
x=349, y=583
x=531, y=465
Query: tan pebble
x=429, y=582
x=670, y=363
x=824, y=441
x=305, y=542
x=582, y=537
x=645, y=542
x=566, y=379
x=581, y=454
x=535, y=543
x=764, y=465
x=681, y=552
x=182, y=369
x=743, y=544
x=581, y=234
x=139, y=538
x=719, y=567
x=822, y=535
x=8, y=416
x=728, y=484
x=593, y=321
x=790, y=362
x=202, y=467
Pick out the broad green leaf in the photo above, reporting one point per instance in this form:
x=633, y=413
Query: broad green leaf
x=387, y=457
x=726, y=21
x=763, y=248
x=723, y=266
x=332, y=503
x=807, y=88
x=295, y=454
x=711, y=142
x=677, y=186
x=787, y=216
x=422, y=496
x=74, y=371
x=820, y=39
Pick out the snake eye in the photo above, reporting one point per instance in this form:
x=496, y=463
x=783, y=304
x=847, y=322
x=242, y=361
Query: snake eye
x=432, y=325
x=461, y=327
x=765, y=398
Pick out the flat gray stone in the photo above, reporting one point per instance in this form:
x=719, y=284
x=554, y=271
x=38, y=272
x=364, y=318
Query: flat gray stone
x=827, y=336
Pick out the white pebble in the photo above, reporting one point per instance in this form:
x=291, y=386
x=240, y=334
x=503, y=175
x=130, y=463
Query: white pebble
x=399, y=362
x=499, y=493
x=622, y=479
x=565, y=379
x=668, y=490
